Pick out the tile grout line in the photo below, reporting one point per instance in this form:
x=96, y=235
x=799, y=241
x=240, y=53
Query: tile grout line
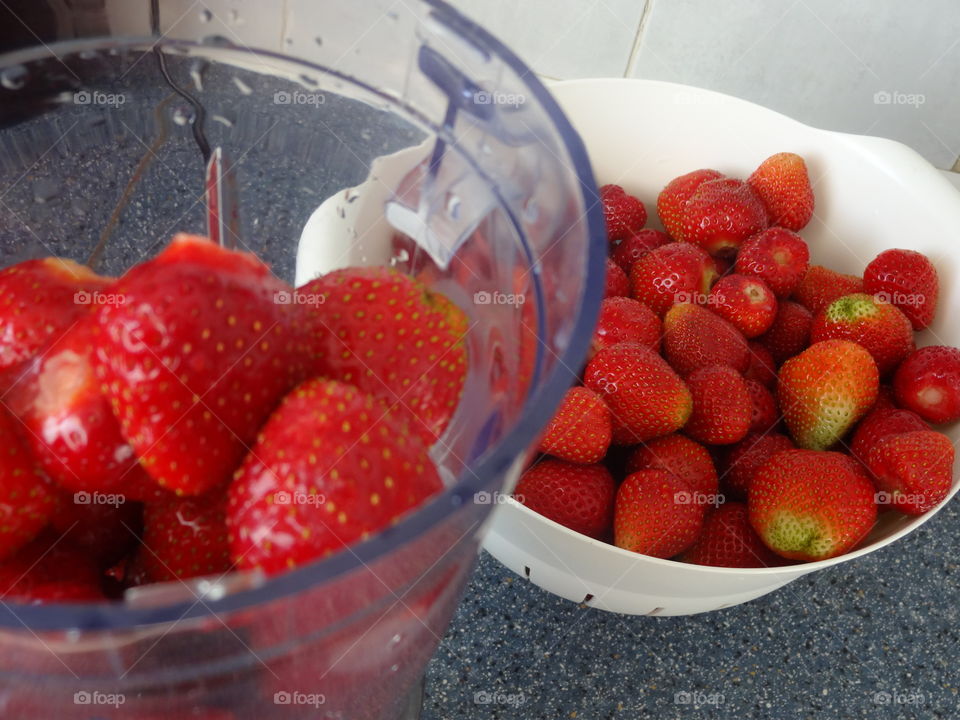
x=638, y=38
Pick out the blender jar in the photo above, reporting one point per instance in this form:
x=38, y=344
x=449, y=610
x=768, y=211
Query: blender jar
x=352, y=133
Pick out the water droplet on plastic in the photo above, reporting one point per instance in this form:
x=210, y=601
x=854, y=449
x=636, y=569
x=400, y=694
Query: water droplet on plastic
x=392, y=14
x=225, y=119
x=395, y=640
x=88, y=55
x=318, y=40
x=183, y=115
x=13, y=77
x=394, y=668
x=45, y=189
x=453, y=206
x=206, y=16
x=196, y=73
x=216, y=41
x=242, y=86
x=309, y=80
x=400, y=258
x=366, y=134
x=531, y=210
x=288, y=41
x=234, y=16
x=486, y=149
x=351, y=195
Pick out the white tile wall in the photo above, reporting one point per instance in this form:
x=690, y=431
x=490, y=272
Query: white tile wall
x=820, y=61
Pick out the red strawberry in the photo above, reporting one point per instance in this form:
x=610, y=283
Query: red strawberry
x=618, y=285
x=580, y=430
x=721, y=214
x=877, y=425
x=762, y=367
x=678, y=272
x=728, y=540
x=330, y=468
x=70, y=427
x=869, y=321
x=579, y=497
x=928, y=382
x=635, y=245
x=49, y=571
x=722, y=407
x=790, y=332
x=820, y=286
x=765, y=412
x=746, y=302
x=908, y=280
x=39, y=299
x=185, y=538
x=784, y=186
x=626, y=320
x=623, y=213
x=673, y=198
x=825, y=390
x=27, y=498
x=695, y=337
x=105, y=532
x=678, y=455
x=195, y=358
x=810, y=505
x=778, y=257
x=746, y=457
x=647, y=398
x=653, y=514
x=914, y=470
x=394, y=338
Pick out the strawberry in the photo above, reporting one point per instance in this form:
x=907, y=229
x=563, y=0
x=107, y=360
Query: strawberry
x=185, y=537
x=869, y=321
x=39, y=299
x=825, y=390
x=761, y=368
x=626, y=320
x=746, y=457
x=330, y=467
x=622, y=213
x=790, y=332
x=394, y=338
x=653, y=514
x=49, y=571
x=105, y=532
x=722, y=407
x=195, y=358
x=783, y=184
x=810, y=505
x=928, y=382
x=27, y=498
x=635, y=245
x=646, y=397
x=580, y=430
x=820, y=286
x=70, y=427
x=765, y=412
x=907, y=279
x=728, y=540
x=885, y=398
x=777, y=256
x=879, y=423
x=617, y=284
x=746, y=302
x=678, y=455
x=721, y=214
x=913, y=469
x=673, y=198
x=579, y=497
x=695, y=337
x=678, y=272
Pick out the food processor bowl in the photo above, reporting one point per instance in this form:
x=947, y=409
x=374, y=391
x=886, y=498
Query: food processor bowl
x=365, y=133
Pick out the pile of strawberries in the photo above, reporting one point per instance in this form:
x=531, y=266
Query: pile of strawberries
x=198, y=415
x=741, y=407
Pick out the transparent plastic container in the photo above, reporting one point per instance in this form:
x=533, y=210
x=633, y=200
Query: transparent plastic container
x=102, y=159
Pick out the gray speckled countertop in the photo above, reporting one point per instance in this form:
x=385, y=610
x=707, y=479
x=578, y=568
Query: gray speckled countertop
x=873, y=638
